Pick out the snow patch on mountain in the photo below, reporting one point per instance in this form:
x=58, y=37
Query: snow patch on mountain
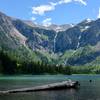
x=88, y=20
x=85, y=28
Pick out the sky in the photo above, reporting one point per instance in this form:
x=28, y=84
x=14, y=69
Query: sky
x=47, y=12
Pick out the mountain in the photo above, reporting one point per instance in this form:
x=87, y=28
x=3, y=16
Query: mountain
x=8, y=31
x=12, y=41
x=85, y=41
x=58, y=28
x=68, y=44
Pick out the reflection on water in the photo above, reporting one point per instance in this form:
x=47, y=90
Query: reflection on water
x=86, y=91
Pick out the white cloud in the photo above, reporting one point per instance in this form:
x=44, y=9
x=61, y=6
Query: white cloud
x=40, y=10
x=47, y=22
x=64, y=1
x=82, y=2
x=53, y=4
x=98, y=14
x=33, y=18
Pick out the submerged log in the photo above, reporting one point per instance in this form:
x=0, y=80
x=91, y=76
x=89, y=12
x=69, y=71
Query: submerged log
x=53, y=86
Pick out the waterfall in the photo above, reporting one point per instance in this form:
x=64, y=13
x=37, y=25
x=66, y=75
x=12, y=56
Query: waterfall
x=78, y=44
x=55, y=42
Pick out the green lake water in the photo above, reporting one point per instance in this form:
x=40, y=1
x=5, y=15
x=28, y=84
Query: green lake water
x=86, y=91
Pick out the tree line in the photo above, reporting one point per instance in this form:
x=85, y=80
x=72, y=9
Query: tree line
x=9, y=65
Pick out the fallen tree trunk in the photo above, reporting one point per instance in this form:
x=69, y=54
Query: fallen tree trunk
x=53, y=86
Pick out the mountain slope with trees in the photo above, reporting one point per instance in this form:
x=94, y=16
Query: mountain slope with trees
x=77, y=45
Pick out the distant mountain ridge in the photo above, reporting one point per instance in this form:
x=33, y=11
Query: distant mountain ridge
x=57, y=44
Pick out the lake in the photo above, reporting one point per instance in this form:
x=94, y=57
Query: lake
x=86, y=91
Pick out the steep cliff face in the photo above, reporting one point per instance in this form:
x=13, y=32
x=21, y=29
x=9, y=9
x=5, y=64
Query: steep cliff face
x=37, y=38
x=9, y=35
x=85, y=33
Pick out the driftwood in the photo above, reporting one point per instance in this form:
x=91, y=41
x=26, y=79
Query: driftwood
x=53, y=86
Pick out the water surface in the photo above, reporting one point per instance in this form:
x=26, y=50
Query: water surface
x=86, y=91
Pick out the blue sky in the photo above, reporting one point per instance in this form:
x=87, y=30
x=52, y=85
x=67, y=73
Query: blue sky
x=51, y=11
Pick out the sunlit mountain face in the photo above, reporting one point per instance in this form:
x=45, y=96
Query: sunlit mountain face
x=77, y=44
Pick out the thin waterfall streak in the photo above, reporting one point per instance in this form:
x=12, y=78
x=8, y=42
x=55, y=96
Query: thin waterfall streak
x=55, y=42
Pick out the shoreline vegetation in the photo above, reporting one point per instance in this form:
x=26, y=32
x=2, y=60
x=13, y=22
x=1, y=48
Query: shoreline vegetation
x=9, y=65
